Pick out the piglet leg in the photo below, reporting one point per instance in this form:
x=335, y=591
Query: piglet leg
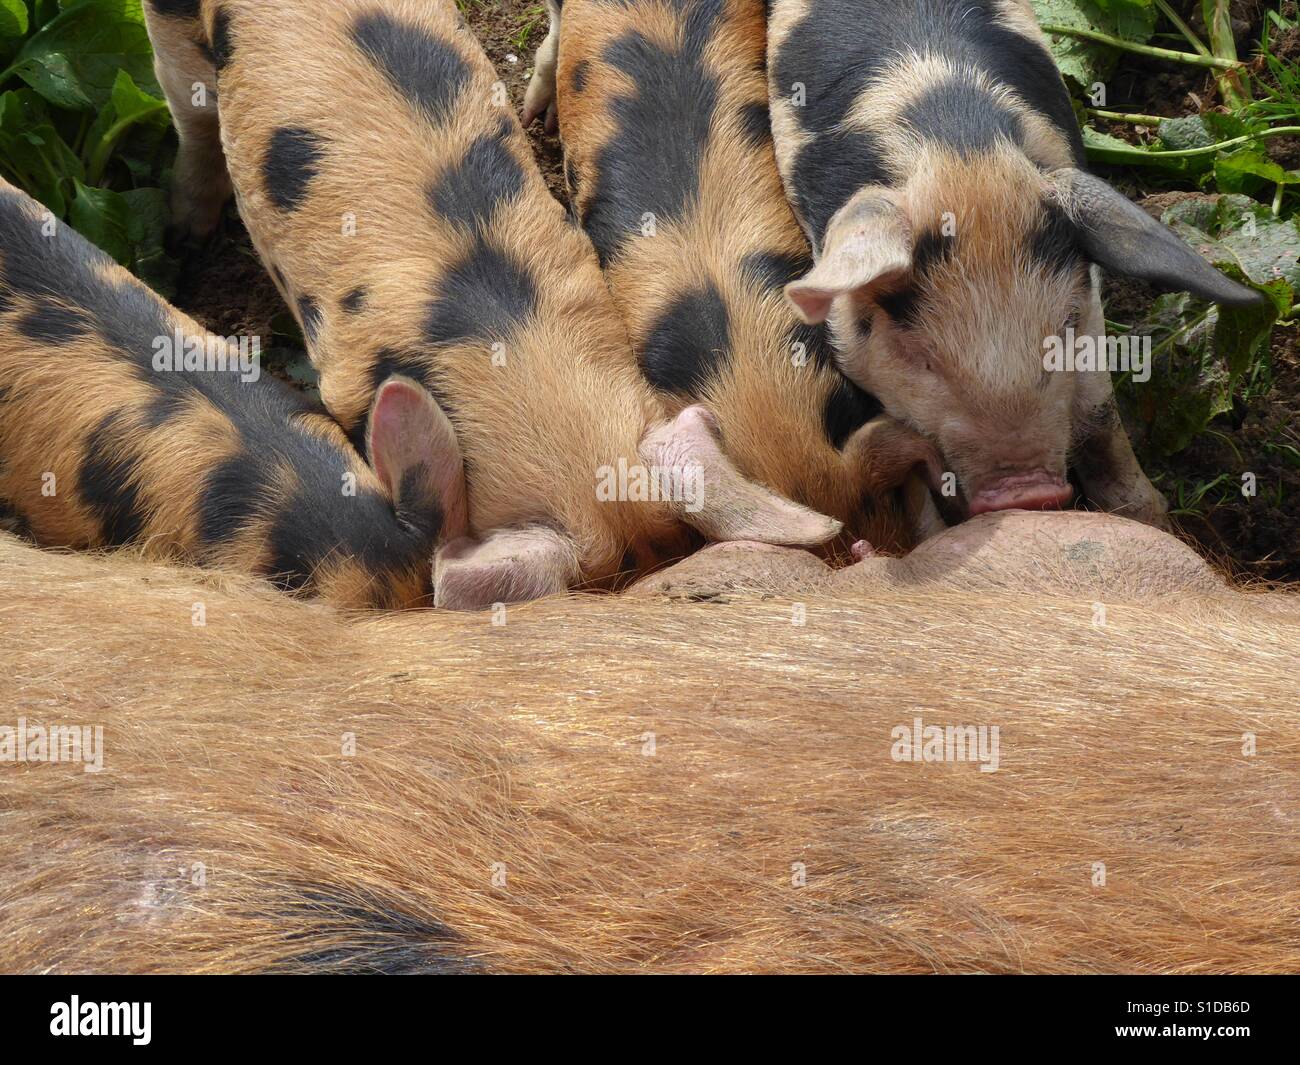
x=539, y=97
x=200, y=181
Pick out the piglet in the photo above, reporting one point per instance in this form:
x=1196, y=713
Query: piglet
x=123, y=422
x=932, y=156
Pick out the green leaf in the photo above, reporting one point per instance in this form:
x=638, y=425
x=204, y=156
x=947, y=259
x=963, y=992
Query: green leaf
x=13, y=19
x=1249, y=170
x=44, y=10
x=147, y=229
x=128, y=105
x=1241, y=236
x=32, y=154
x=1104, y=148
x=1084, y=62
x=74, y=59
x=1202, y=353
x=103, y=217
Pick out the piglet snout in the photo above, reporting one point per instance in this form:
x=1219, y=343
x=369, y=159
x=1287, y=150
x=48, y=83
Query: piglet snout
x=1037, y=490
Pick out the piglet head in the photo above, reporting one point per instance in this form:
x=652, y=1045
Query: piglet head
x=960, y=299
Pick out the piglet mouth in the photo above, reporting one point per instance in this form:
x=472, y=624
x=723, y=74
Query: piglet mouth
x=1036, y=490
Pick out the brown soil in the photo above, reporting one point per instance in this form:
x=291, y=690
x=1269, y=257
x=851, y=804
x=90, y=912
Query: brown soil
x=227, y=290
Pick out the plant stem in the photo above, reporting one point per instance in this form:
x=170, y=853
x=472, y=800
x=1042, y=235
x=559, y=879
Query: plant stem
x=104, y=149
x=1182, y=27
x=1182, y=331
x=1210, y=149
x=1210, y=61
x=1218, y=20
x=1133, y=120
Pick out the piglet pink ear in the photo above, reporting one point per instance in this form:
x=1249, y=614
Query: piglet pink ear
x=508, y=566
x=868, y=240
x=718, y=500
x=414, y=451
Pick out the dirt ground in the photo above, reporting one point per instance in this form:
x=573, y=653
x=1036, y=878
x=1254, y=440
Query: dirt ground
x=226, y=289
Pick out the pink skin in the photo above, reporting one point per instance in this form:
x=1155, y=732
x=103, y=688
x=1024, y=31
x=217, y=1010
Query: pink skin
x=1079, y=553
x=1036, y=490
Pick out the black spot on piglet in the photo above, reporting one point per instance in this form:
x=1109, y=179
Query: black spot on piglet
x=688, y=343
x=54, y=323
x=775, y=269
x=176, y=8
x=108, y=482
x=223, y=45
x=580, y=70
x=292, y=159
x=430, y=73
x=486, y=176
x=848, y=408
x=309, y=312
x=756, y=122
x=485, y=296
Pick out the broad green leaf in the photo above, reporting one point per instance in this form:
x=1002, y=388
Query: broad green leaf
x=1242, y=235
x=1249, y=170
x=128, y=105
x=32, y=153
x=42, y=11
x=103, y=217
x=1105, y=148
x=147, y=227
x=14, y=22
x=74, y=59
x=1203, y=352
x=1182, y=134
x=130, y=227
x=1084, y=62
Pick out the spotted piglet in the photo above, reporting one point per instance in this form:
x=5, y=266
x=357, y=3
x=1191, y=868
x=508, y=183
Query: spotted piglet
x=391, y=191
x=123, y=422
x=664, y=119
x=932, y=156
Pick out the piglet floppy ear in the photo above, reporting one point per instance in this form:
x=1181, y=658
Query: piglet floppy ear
x=722, y=503
x=868, y=240
x=414, y=451
x=883, y=454
x=508, y=566
x=1122, y=238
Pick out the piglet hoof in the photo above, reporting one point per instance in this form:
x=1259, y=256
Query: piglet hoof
x=539, y=97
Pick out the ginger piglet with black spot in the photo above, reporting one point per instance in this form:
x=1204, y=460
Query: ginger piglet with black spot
x=124, y=423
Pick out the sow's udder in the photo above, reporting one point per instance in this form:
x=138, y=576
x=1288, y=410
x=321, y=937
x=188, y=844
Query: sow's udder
x=1063, y=552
